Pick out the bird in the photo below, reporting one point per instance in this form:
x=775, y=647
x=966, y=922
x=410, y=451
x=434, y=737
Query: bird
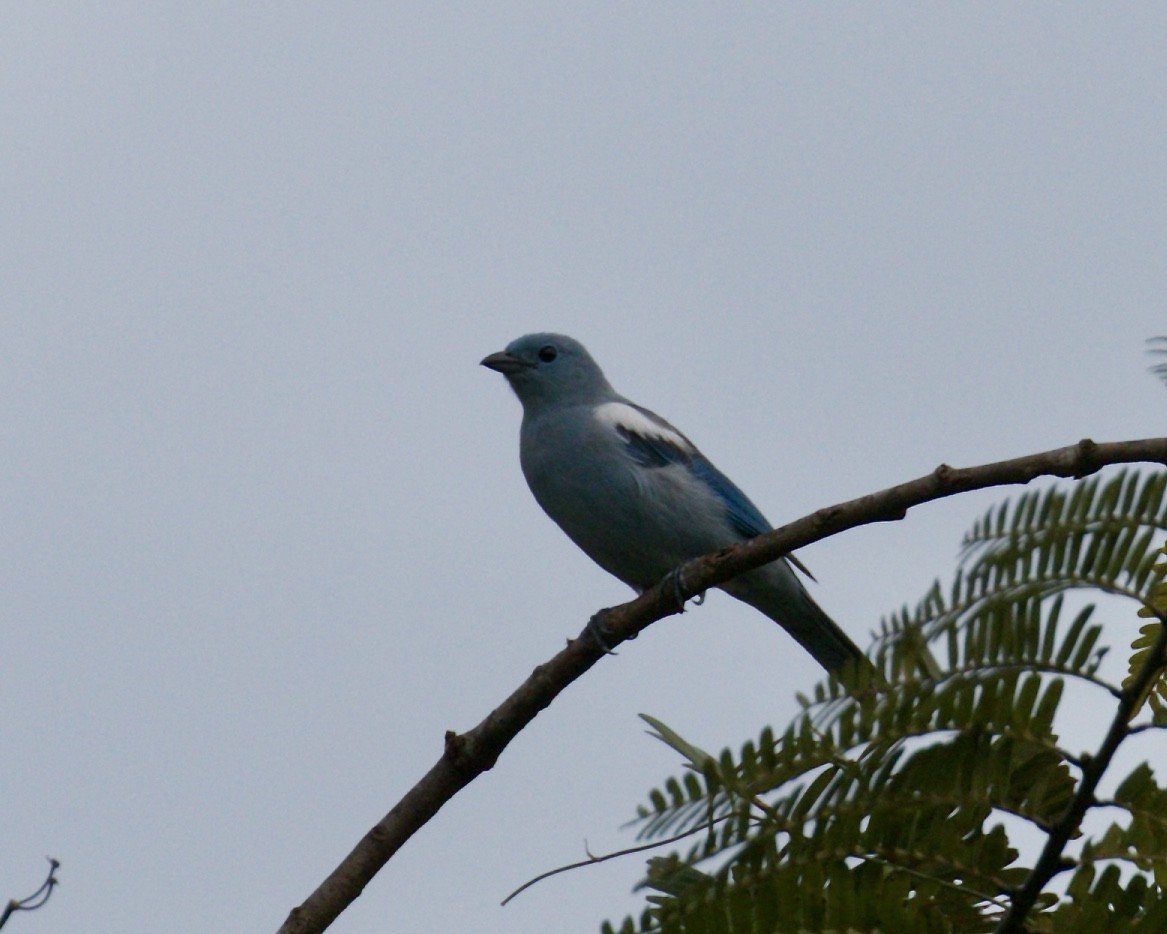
x=636, y=495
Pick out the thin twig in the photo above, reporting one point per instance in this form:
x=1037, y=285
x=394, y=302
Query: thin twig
x=592, y=860
x=36, y=899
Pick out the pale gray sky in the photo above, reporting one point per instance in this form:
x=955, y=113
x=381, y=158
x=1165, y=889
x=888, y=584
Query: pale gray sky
x=264, y=532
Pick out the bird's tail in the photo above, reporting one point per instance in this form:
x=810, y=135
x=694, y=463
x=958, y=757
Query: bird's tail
x=775, y=591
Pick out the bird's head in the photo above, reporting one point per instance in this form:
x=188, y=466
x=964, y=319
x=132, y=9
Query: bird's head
x=551, y=369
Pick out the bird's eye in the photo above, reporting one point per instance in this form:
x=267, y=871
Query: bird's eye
x=547, y=353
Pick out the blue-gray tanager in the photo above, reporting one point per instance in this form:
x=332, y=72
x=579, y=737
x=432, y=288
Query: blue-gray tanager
x=635, y=494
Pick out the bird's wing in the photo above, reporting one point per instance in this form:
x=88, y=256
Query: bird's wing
x=743, y=514
x=648, y=439
x=652, y=442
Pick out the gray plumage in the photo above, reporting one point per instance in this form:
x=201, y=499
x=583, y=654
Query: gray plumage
x=635, y=494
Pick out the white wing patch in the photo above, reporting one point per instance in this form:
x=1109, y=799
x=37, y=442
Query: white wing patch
x=620, y=415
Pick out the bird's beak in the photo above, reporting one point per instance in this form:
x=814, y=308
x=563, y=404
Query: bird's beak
x=504, y=363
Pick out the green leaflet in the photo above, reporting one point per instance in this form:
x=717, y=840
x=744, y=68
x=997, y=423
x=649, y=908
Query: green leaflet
x=894, y=807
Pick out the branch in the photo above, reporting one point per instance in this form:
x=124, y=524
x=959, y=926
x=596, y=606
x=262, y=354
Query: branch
x=619, y=854
x=468, y=755
x=1051, y=862
x=37, y=899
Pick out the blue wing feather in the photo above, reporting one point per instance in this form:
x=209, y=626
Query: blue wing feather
x=658, y=451
x=651, y=452
x=743, y=514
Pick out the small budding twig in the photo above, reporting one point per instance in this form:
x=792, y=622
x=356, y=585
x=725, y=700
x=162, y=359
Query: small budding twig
x=37, y=899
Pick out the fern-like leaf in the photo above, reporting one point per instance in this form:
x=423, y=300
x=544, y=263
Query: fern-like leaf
x=883, y=805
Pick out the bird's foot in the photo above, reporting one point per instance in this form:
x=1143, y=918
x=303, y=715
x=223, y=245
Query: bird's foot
x=675, y=581
x=597, y=628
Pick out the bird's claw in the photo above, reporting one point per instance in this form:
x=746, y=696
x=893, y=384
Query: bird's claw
x=675, y=580
x=598, y=629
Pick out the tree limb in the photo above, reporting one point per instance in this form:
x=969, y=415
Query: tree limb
x=1051, y=861
x=468, y=755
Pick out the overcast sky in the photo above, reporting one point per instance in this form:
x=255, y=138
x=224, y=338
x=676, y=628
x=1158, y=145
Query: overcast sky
x=264, y=532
